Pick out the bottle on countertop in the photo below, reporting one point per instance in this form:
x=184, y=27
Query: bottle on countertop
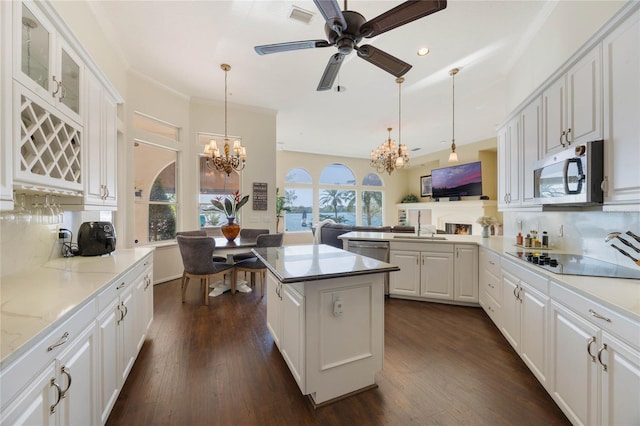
x=545, y=239
x=519, y=241
x=528, y=240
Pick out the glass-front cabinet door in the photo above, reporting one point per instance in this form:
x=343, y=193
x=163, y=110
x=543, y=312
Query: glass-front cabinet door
x=45, y=63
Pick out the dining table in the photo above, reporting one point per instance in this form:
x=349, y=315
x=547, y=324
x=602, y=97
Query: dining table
x=228, y=248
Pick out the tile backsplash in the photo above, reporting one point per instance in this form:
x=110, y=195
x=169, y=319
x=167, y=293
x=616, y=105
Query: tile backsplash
x=583, y=232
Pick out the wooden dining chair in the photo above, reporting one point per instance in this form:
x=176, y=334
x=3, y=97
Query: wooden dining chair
x=254, y=264
x=197, y=258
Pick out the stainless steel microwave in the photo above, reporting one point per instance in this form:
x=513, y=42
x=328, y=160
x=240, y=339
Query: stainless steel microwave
x=571, y=177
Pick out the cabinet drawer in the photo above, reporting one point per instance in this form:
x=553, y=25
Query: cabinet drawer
x=19, y=373
x=492, y=285
x=489, y=261
x=422, y=246
x=539, y=282
x=116, y=287
x=491, y=307
x=603, y=317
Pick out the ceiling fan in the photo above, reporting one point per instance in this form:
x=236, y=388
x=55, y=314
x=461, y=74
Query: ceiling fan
x=346, y=28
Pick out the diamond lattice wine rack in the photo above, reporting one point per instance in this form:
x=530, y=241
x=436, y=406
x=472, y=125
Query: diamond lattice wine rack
x=50, y=148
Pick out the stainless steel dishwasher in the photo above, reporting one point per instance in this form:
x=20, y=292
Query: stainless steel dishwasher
x=378, y=250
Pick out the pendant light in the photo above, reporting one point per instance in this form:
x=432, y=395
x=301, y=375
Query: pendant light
x=453, y=156
x=227, y=161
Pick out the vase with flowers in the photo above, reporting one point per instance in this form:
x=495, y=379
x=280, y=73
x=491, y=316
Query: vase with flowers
x=230, y=206
x=486, y=222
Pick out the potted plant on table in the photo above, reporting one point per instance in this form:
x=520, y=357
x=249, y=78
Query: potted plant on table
x=230, y=206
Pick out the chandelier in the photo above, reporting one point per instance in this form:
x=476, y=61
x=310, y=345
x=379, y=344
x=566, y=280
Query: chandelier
x=232, y=157
x=389, y=156
x=453, y=156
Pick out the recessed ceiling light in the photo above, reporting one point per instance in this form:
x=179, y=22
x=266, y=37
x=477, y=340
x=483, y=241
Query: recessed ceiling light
x=423, y=51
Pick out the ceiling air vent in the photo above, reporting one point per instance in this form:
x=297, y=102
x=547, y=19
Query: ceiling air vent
x=300, y=14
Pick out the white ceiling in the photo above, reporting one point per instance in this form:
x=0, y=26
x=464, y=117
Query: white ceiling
x=181, y=44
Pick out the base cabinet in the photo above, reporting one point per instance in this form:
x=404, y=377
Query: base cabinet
x=596, y=374
x=435, y=272
x=330, y=352
x=525, y=307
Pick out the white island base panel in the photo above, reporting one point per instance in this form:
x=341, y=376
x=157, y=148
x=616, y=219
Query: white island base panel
x=331, y=333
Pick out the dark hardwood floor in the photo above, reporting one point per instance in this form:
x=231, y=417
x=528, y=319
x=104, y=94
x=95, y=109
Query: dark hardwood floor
x=217, y=365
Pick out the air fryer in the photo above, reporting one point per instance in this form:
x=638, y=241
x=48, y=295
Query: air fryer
x=96, y=238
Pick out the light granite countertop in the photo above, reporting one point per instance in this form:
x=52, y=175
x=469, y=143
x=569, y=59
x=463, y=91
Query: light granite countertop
x=34, y=301
x=298, y=263
x=622, y=295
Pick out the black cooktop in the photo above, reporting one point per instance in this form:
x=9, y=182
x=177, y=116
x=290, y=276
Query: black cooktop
x=575, y=264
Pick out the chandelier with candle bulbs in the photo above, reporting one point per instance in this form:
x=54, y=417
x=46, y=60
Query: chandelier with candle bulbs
x=232, y=157
x=390, y=156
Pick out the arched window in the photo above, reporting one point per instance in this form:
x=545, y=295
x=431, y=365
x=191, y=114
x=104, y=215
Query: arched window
x=162, y=205
x=298, y=201
x=334, y=202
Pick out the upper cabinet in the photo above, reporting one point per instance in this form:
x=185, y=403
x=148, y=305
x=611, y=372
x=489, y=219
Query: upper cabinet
x=59, y=115
x=622, y=112
x=595, y=96
x=45, y=63
x=572, y=105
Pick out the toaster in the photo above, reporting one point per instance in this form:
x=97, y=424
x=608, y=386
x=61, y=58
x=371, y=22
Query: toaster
x=96, y=238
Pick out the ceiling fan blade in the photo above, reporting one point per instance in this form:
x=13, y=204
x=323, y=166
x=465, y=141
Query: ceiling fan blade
x=330, y=10
x=382, y=59
x=291, y=45
x=406, y=12
x=330, y=72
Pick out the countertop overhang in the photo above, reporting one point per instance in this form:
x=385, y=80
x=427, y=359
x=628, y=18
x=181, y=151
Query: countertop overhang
x=298, y=263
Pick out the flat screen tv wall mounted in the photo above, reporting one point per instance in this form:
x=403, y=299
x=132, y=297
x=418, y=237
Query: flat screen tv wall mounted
x=463, y=180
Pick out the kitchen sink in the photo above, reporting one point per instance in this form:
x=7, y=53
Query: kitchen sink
x=419, y=237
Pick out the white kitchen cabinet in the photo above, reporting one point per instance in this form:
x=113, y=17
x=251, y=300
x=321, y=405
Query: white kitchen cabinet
x=44, y=61
x=575, y=378
x=490, y=284
x=406, y=281
x=436, y=274
x=525, y=306
x=621, y=111
x=108, y=362
x=101, y=135
x=620, y=382
x=6, y=115
x=65, y=392
x=509, y=165
x=530, y=130
x=293, y=333
x=286, y=322
x=595, y=361
x=144, y=304
x=465, y=276
x=572, y=105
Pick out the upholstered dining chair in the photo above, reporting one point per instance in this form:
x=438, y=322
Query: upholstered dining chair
x=197, y=258
x=254, y=264
x=248, y=233
x=201, y=233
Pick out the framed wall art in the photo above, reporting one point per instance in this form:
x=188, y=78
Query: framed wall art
x=425, y=186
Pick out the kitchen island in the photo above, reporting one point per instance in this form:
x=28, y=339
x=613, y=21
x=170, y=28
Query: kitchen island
x=325, y=311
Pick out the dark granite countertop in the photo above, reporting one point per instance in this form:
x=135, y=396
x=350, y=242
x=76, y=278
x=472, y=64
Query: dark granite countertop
x=297, y=263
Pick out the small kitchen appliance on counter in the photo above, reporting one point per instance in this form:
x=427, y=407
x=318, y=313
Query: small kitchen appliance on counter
x=96, y=238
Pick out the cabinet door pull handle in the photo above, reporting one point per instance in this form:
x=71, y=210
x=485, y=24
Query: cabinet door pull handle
x=602, y=349
x=520, y=294
x=62, y=341
x=120, y=286
x=65, y=371
x=591, y=341
x=563, y=133
x=52, y=409
x=566, y=136
x=597, y=315
x=515, y=289
x=126, y=310
x=58, y=85
x=121, y=313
